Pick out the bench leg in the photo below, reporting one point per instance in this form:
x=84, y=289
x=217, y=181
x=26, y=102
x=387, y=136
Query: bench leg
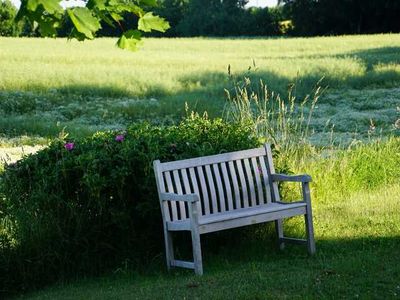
x=169, y=248
x=308, y=219
x=310, y=233
x=198, y=263
x=279, y=233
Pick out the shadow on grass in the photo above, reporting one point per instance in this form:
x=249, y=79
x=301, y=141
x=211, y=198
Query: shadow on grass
x=85, y=109
x=359, y=267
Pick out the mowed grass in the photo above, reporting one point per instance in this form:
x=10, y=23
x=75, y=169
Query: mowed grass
x=357, y=226
x=47, y=84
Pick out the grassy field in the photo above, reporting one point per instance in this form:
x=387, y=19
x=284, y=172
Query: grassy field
x=47, y=85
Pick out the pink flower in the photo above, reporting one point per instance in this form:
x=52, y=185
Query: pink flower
x=120, y=138
x=69, y=146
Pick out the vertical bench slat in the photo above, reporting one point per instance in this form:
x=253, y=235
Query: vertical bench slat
x=271, y=170
x=242, y=183
x=227, y=184
x=179, y=191
x=161, y=188
x=195, y=188
x=235, y=184
x=206, y=203
x=250, y=180
x=257, y=172
x=186, y=185
x=220, y=188
x=211, y=185
x=170, y=188
x=266, y=179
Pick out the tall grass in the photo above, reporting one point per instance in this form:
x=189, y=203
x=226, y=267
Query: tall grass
x=361, y=167
x=283, y=122
x=286, y=123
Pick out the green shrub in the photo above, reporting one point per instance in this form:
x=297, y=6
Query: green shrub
x=89, y=205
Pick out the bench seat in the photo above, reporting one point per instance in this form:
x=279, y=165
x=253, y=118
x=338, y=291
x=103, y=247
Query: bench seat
x=242, y=217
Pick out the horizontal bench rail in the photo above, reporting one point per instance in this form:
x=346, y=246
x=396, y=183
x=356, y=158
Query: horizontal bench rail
x=211, y=159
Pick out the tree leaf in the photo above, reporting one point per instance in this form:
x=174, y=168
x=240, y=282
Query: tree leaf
x=150, y=22
x=149, y=2
x=130, y=40
x=106, y=18
x=51, y=6
x=84, y=21
x=116, y=17
x=99, y=4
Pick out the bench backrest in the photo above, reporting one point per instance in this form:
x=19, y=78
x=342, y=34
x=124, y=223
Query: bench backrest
x=224, y=182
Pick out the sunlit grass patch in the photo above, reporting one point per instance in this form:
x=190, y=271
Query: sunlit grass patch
x=96, y=85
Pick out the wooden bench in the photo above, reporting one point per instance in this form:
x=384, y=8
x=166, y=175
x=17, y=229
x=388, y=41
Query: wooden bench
x=229, y=190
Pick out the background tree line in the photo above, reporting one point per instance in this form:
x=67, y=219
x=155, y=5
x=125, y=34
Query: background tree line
x=231, y=18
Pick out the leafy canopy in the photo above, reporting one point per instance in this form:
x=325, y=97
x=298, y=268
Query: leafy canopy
x=47, y=15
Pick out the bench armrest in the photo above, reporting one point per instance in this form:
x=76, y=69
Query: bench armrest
x=291, y=178
x=190, y=198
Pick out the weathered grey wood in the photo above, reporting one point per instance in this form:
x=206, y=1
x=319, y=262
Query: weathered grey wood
x=227, y=184
x=279, y=233
x=243, y=185
x=170, y=189
x=183, y=264
x=267, y=183
x=175, y=197
x=195, y=187
x=212, y=159
x=293, y=240
x=205, y=202
x=272, y=209
x=196, y=245
x=180, y=225
x=274, y=193
x=211, y=185
x=249, y=211
x=169, y=250
x=235, y=184
x=308, y=218
x=218, y=180
x=186, y=184
x=161, y=190
x=250, y=180
x=233, y=190
x=291, y=178
x=270, y=171
x=250, y=220
x=258, y=180
x=179, y=191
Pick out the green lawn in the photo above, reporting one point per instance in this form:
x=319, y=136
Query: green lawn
x=358, y=240
x=47, y=85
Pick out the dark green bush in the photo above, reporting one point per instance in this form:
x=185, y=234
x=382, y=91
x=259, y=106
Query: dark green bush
x=91, y=208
